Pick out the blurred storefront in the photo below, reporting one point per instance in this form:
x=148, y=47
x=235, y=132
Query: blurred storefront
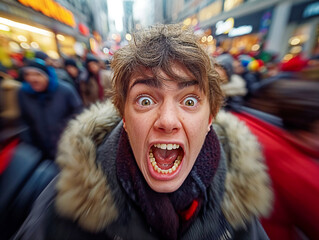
x=281, y=28
x=241, y=34
x=303, y=30
x=28, y=25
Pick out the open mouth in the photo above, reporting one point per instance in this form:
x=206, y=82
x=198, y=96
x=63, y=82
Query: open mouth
x=165, y=158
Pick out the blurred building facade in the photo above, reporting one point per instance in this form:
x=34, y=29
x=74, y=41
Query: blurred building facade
x=282, y=27
x=59, y=28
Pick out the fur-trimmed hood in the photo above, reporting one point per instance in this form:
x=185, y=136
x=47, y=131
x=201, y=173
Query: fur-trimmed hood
x=84, y=195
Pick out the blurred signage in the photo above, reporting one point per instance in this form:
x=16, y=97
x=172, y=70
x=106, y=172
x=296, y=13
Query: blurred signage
x=311, y=10
x=51, y=9
x=84, y=29
x=303, y=11
x=252, y=23
x=223, y=27
x=242, y=30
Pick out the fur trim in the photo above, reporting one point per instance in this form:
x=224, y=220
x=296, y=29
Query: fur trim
x=83, y=192
x=248, y=192
x=84, y=195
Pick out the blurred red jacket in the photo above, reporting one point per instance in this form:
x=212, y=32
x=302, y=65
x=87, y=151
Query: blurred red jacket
x=294, y=170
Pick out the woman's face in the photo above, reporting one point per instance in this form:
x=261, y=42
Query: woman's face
x=166, y=124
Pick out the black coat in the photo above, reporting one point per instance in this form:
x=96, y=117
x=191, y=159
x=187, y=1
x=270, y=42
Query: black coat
x=47, y=114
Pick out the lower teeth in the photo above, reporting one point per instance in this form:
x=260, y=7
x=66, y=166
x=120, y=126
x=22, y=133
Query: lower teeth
x=177, y=162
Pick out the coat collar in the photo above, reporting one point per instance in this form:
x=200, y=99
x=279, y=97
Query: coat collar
x=86, y=195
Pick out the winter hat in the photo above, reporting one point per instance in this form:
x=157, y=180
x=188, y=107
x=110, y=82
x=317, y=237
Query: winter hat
x=70, y=62
x=38, y=65
x=90, y=58
x=226, y=62
x=41, y=55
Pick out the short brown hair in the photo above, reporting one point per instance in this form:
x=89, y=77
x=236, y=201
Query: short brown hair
x=156, y=48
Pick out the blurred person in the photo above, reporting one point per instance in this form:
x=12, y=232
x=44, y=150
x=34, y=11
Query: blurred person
x=292, y=154
x=98, y=83
x=311, y=71
x=249, y=77
x=22, y=176
x=46, y=105
x=233, y=85
x=161, y=169
x=77, y=75
x=56, y=64
x=9, y=107
x=291, y=69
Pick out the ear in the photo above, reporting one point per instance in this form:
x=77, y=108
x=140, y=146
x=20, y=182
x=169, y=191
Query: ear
x=210, y=122
x=124, y=125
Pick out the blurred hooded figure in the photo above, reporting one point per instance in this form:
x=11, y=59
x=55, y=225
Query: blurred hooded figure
x=234, y=86
x=76, y=74
x=98, y=82
x=46, y=104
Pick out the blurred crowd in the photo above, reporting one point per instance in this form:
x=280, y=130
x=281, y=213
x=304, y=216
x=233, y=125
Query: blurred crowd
x=38, y=96
x=278, y=100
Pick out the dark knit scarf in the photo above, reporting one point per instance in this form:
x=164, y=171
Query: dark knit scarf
x=169, y=214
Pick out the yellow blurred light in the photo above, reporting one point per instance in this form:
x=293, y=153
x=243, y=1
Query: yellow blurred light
x=204, y=38
x=295, y=41
x=53, y=54
x=194, y=22
x=34, y=45
x=24, y=45
x=14, y=46
x=113, y=36
x=128, y=37
x=92, y=44
x=287, y=57
x=187, y=21
x=22, y=38
x=60, y=37
x=210, y=38
x=255, y=47
x=296, y=50
x=25, y=27
x=4, y=28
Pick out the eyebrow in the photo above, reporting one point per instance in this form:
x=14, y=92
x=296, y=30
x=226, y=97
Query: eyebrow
x=152, y=82
x=187, y=84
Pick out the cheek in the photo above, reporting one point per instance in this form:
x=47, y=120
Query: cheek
x=197, y=130
x=134, y=126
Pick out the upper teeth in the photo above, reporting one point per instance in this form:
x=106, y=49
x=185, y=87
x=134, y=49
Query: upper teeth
x=169, y=146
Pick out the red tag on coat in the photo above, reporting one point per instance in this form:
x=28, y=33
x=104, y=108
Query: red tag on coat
x=188, y=213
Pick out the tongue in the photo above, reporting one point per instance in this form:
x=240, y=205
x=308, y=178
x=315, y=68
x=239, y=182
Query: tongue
x=165, y=158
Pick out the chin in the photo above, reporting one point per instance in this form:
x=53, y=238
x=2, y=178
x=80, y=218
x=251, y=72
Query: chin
x=165, y=187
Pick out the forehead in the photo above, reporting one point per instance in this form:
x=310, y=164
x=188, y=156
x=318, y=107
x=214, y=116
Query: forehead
x=32, y=71
x=156, y=77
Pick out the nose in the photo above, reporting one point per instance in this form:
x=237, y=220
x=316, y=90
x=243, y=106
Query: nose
x=168, y=119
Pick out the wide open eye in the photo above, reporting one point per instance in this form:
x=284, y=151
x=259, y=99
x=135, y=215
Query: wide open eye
x=145, y=101
x=190, y=101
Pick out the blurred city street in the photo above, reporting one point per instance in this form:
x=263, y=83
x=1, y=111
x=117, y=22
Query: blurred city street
x=56, y=62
